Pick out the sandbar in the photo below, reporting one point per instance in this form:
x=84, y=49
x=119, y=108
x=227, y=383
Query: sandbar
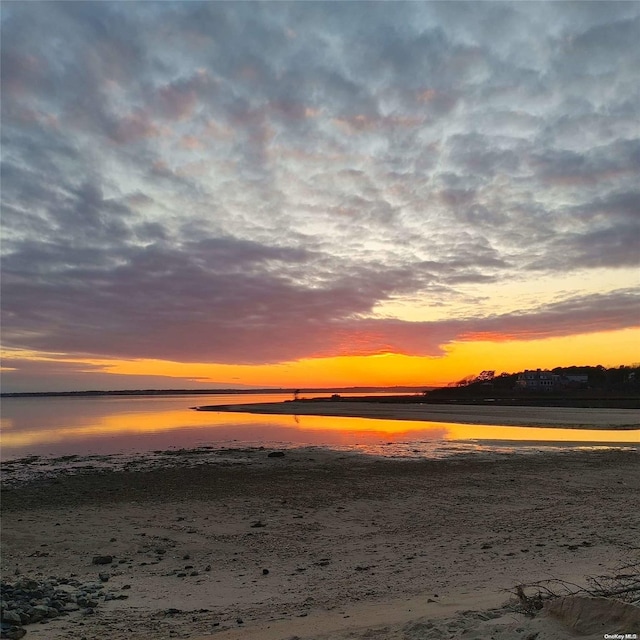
x=519, y=416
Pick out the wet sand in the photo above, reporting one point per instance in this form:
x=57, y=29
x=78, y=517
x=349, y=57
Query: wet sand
x=520, y=416
x=320, y=544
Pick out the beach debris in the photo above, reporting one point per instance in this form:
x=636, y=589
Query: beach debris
x=102, y=560
x=623, y=584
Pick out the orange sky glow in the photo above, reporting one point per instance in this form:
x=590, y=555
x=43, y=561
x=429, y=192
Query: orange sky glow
x=459, y=360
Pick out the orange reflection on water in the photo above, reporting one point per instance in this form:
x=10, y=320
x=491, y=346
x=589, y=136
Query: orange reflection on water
x=118, y=425
x=254, y=428
x=456, y=431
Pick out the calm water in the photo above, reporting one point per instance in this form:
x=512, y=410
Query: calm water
x=107, y=425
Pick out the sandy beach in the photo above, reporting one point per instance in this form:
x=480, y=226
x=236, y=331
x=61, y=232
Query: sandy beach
x=314, y=544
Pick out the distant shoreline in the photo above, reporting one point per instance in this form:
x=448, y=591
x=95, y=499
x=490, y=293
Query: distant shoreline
x=208, y=392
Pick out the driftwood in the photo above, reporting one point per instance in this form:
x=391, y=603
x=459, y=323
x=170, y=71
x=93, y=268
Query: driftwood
x=623, y=584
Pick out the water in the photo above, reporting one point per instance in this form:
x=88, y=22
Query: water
x=62, y=426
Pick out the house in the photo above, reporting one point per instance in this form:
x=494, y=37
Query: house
x=538, y=380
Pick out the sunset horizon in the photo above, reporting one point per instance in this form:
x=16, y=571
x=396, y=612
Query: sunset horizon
x=316, y=195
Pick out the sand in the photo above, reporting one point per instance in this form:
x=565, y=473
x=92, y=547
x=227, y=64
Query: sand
x=518, y=416
x=323, y=545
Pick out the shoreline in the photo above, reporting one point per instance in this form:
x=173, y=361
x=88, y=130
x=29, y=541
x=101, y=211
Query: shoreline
x=514, y=416
x=341, y=536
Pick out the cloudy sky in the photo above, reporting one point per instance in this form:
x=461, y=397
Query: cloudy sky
x=323, y=193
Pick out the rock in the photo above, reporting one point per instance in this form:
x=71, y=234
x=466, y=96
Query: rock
x=276, y=454
x=11, y=616
x=39, y=612
x=102, y=560
x=87, y=602
x=257, y=524
x=13, y=633
x=265, y=572
x=103, y=577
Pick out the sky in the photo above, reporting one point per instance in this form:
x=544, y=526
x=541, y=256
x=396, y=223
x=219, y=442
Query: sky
x=305, y=194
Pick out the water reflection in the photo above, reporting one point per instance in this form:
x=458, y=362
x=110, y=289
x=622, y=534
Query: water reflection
x=63, y=426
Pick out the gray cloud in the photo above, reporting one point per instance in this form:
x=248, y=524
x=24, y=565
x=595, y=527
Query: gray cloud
x=246, y=182
x=21, y=375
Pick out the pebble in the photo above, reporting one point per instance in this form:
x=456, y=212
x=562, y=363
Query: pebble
x=12, y=632
x=27, y=601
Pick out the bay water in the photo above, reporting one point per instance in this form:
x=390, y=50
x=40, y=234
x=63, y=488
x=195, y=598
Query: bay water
x=104, y=425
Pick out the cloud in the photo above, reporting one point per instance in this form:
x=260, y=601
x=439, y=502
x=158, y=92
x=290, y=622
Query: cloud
x=248, y=183
x=229, y=300
x=22, y=375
